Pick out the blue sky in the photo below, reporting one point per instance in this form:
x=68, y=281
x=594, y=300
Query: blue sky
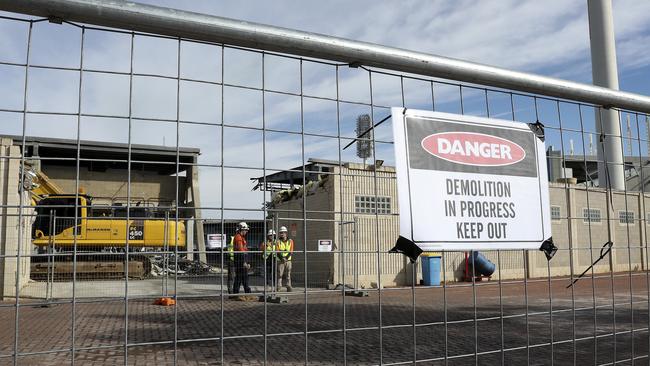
x=549, y=38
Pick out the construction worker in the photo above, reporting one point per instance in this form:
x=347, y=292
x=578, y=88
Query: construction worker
x=242, y=264
x=230, y=263
x=284, y=248
x=268, y=248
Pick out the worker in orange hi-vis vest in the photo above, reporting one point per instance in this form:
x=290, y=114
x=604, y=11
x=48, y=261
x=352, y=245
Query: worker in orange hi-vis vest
x=242, y=264
x=284, y=247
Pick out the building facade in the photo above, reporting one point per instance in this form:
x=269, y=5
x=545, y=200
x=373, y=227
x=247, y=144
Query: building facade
x=356, y=206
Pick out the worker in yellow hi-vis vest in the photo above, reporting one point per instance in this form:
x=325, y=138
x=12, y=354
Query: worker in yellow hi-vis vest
x=284, y=248
x=268, y=253
x=230, y=263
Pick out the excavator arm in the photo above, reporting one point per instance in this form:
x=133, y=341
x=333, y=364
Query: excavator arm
x=41, y=185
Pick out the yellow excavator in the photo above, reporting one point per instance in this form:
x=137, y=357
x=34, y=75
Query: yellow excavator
x=99, y=235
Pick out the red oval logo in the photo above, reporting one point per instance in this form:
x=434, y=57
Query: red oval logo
x=470, y=148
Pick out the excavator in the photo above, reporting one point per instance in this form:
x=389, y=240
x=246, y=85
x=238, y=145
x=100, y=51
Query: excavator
x=100, y=235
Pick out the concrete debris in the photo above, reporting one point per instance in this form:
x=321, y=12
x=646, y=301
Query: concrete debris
x=169, y=265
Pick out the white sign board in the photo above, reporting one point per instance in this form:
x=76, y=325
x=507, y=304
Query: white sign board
x=470, y=183
x=216, y=241
x=324, y=245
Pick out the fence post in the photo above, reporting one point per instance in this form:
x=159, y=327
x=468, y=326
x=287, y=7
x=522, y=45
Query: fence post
x=611, y=227
x=574, y=240
x=50, y=258
x=642, y=230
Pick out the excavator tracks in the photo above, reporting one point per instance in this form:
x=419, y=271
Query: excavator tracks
x=91, y=267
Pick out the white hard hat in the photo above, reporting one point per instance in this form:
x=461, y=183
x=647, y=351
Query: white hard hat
x=271, y=232
x=283, y=229
x=242, y=226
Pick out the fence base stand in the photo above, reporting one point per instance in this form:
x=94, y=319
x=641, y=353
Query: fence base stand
x=477, y=278
x=356, y=293
x=339, y=287
x=275, y=299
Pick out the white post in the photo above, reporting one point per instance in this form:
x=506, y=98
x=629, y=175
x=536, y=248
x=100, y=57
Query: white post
x=604, y=72
x=193, y=175
x=647, y=131
x=189, y=237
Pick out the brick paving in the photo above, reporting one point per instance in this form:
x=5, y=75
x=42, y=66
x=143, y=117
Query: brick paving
x=102, y=326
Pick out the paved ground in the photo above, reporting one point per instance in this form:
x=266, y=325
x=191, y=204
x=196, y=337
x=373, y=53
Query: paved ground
x=199, y=324
x=116, y=288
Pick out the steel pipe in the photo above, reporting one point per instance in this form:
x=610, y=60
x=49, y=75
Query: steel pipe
x=202, y=27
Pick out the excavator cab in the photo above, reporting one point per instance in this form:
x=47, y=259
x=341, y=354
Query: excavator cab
x=55, y=214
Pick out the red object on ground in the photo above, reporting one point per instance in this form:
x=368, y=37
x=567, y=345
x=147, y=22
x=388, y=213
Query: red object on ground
x=165, y=301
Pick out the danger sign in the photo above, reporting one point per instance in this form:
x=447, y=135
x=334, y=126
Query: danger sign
x=473, y=149
x=470, y=183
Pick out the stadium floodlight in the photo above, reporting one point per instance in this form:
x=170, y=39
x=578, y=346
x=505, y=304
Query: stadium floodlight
x=364, y=137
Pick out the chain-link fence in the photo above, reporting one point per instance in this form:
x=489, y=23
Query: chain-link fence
x=130, y=159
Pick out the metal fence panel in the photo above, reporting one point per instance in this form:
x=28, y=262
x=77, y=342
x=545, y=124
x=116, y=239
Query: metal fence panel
x=124, y=154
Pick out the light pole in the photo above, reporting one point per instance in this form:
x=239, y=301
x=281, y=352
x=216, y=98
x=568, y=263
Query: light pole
x=605, y=74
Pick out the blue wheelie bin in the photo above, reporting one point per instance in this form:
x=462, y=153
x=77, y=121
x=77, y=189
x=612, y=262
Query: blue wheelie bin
x=431, y=268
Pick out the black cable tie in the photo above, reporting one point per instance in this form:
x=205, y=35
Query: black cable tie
x=538, y=129
x=55, y=20
x=607, y=247
x=548, y=248
x=606, y=166
x=407, y=247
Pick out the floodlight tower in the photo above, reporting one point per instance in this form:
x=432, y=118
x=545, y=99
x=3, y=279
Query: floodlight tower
x=364, y=137
x=630, y=151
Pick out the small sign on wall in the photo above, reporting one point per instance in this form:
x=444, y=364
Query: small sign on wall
x=216, y=241
x=324, y=245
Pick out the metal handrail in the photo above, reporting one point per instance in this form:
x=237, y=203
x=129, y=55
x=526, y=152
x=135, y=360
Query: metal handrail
x=202, y=27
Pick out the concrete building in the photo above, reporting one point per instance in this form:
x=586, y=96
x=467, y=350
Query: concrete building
x=15, y=224
x=584, y=168
x=338, y=201
x=356, y=206
x=103, y=174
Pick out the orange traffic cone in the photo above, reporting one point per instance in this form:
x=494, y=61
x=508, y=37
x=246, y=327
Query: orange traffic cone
x=165, y=301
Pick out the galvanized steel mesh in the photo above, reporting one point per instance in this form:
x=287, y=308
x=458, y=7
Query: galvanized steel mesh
x=228, y=134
